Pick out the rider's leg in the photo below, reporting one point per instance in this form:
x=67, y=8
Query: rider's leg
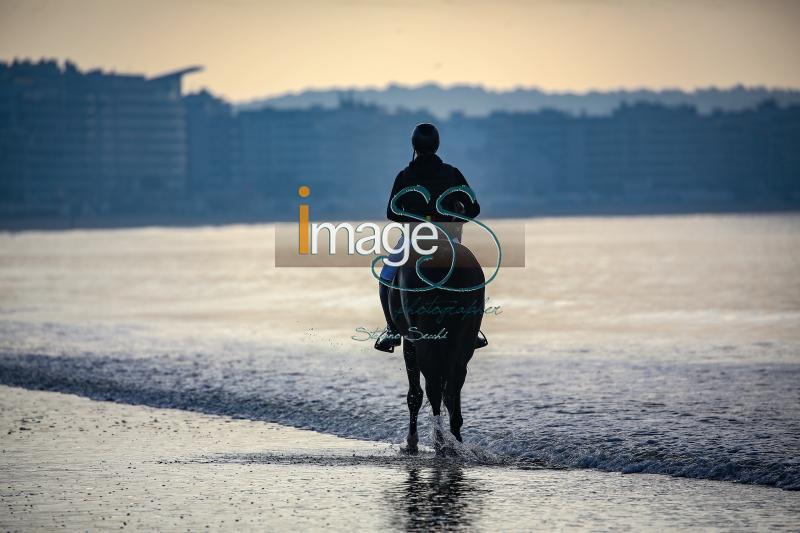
x=391, y=339
x=383, y=292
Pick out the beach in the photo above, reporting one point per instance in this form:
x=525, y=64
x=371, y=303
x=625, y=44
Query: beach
x=76, y=464
x=642, y=373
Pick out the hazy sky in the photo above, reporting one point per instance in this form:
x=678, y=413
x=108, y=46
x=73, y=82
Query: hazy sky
x=253, y=48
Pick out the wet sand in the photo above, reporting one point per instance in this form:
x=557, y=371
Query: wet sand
x=76, y=464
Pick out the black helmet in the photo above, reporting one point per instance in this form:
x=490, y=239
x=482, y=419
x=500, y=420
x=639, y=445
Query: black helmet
x=425, y=138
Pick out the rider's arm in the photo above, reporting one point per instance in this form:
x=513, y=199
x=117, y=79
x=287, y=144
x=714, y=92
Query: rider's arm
x=472, y=209
x=399, y=184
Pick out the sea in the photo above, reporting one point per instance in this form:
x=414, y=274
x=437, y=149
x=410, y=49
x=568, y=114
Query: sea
x=639, y=344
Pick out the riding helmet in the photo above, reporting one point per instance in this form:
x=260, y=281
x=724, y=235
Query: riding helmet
x=425, y=139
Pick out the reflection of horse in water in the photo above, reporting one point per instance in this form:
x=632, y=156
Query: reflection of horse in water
x=437, y=498
x=443, y=361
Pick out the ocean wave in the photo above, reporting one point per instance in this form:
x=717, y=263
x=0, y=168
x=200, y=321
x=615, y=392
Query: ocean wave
x=727, y=422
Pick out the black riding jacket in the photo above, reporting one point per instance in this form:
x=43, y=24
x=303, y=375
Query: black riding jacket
x=429, y=171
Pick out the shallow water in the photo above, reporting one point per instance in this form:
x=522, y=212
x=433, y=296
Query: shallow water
x=643, y=344
x=71, y=463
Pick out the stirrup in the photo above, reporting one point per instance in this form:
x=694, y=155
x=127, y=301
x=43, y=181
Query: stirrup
x=481, y=341
x=387, y=342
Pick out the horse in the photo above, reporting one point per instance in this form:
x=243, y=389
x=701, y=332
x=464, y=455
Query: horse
x=439, y=329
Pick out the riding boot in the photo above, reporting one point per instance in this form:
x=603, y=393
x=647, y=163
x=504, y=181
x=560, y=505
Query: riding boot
x=390, y=338
x=481, y=341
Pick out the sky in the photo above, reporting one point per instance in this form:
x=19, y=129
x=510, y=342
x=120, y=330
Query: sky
x=256, y=48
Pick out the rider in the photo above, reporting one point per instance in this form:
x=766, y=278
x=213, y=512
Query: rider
x=428, y=170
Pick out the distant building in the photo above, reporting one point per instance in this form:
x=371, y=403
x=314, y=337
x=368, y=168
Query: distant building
x=214, y=174
x=77, y=143
x=348, y=156
x=643, y=158
x=80, y=146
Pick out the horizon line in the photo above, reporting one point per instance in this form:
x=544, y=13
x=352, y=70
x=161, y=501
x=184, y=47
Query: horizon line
x=486, y=87
x=516, y=88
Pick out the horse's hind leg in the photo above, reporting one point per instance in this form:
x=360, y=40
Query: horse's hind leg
x=452, y=399
x=433, y=388
x=414, y=397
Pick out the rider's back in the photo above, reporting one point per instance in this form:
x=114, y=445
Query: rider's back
x=429, y=171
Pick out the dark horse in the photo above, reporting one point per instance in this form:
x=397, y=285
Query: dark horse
x=442, y=359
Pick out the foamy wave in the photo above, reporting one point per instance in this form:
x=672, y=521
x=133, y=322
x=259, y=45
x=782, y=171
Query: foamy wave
x=732, y=422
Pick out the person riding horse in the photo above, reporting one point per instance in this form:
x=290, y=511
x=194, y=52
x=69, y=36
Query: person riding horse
x=451, y=273
x=428, y=170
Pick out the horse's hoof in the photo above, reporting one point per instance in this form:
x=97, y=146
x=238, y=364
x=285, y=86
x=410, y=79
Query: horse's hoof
x=412, y=440
x=446, y=451
x=410, y=450
x=438, y=439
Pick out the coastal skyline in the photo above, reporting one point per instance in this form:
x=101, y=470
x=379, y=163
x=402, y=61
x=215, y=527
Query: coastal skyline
x=173, y=357
x=253, y=50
